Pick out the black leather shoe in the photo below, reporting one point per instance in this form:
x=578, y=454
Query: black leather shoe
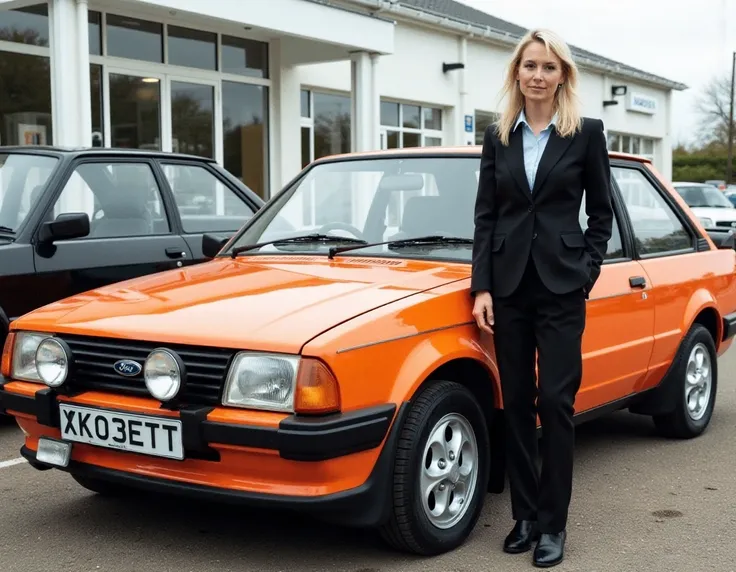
x=521, y=537
x=550, y=549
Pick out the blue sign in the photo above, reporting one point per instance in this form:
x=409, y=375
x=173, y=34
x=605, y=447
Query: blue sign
x=469, y=123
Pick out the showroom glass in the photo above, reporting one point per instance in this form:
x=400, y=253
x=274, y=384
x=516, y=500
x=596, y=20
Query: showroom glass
x=121, y=199
x=200, y=195
x=193, y=119
x=657, y=229
x=135, y=112
x=245, y=133
x=350, y=201
x=22, y=180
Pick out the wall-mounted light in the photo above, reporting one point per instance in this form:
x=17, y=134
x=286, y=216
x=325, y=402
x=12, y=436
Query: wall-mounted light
x=618, y=90
x=449, y=67
x=608, y=102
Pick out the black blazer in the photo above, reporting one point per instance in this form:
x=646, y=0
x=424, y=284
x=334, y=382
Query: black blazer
x=512, y=221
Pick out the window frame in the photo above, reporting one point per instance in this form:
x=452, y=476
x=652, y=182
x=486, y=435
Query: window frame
x=685, y=221
x=161, y=163
x=422, y=131
x=71, y=167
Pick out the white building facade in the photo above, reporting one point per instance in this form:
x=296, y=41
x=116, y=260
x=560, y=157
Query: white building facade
x=265, y=86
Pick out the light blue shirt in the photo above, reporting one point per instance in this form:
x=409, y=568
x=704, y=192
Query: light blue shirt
x=533, y=145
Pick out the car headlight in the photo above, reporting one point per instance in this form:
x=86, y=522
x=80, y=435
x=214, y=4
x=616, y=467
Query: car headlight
x=706, y=222
x=52, y=362
x=24, y=356
x=163, y=372
x=262, y=381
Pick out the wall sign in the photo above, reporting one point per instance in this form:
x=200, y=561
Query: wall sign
x=641, y=103
x=469, y=123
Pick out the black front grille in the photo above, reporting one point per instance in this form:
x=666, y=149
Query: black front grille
x=94, y=358
x=726, y=223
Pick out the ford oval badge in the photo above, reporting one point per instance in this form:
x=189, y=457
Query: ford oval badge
x=127, y=367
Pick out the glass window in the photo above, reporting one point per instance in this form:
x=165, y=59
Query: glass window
x=192, y=48
x=704, y=196
x=134, y=39
x=331, y=124
x=305, y=103
x=135, y=112
x=306, y=146
x=205, y=204
x=193, y=119
x=25, y=100
x=28, y=25
x=389, y=113
x=22, y=180
x=615, y=245
x=482, y=120
x=432, y=118
x=244, y=57
x=410, y=125
x=94, y=30
x=245, y=133
x=121, y=200
x=657, y=228
x=95, y=84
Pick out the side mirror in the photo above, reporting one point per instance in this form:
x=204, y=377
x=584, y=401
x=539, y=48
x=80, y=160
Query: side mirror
x=212, y=244
x=66, y=226
x=723, y=239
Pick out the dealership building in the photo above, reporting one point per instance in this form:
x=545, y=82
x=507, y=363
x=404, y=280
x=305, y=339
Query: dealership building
x=265, y=86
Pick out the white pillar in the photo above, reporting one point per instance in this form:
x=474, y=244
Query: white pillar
x=462, y=136
x=362, y=95
x=285, y=118
x=71, y=106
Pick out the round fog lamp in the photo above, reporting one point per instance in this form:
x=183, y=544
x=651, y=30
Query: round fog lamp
x=163, y=372
x=52, y=362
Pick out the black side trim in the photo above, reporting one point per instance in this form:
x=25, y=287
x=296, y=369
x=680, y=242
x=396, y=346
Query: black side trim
x=240, y=435
x=47, y=410
x=316, y=439
x=729, y=326
x=367, y=505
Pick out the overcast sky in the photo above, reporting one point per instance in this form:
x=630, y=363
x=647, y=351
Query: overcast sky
x=686, y=41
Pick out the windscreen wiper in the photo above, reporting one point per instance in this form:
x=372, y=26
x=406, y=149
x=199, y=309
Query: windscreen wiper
x=6, y=229
x=316, y=237
x=400, y=243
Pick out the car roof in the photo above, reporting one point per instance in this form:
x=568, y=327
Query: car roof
x=60, y=151
x=447, y=151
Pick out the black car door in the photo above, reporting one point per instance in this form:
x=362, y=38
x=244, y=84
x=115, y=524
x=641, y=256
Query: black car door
x=130, y=230
x=206, y=202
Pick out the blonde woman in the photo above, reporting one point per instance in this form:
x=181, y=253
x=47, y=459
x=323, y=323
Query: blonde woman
x=533, y=268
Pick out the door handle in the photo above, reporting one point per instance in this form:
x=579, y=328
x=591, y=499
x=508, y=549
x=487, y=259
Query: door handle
x=175, y=252
x=637, y=282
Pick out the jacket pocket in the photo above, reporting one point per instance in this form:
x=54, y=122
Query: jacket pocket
x=498, y=240
x=573, y=239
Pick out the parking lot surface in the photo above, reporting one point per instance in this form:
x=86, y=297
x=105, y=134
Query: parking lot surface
x=640, y=503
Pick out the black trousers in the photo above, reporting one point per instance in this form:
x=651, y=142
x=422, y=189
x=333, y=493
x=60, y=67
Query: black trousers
x=535, y=323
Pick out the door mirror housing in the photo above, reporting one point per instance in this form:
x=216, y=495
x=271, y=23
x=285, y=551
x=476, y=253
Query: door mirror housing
x=65, y=227
x=212, y=244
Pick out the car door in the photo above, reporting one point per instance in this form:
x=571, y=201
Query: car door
x=130, y=230
x=618, y=337
x=666, y=247
x=205, y=203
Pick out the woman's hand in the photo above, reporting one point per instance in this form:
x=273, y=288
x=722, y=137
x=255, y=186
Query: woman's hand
x=483, y=311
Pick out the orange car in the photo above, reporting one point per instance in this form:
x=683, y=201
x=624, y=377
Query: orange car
x=326, y=359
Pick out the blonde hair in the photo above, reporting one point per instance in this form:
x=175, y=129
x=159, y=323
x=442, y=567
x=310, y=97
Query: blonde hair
x=566, y=103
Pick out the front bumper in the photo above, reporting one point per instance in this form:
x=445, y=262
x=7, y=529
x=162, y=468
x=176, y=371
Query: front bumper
x=321, y=445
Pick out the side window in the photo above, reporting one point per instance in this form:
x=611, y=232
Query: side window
x=615, y=245
x=205, y=204
x=121, y=200
x=656, y=226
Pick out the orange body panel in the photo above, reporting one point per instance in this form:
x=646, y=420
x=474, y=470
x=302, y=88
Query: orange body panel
x=382, y=326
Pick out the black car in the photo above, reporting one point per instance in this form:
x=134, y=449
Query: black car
x=76, y=219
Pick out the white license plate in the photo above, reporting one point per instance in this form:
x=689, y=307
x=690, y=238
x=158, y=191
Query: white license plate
x=156, y=436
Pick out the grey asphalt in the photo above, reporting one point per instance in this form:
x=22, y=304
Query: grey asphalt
x=640, y=503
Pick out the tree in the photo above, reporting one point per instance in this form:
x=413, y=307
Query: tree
x=713, y=106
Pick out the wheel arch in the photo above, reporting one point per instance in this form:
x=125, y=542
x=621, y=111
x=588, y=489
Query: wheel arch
x=703, y=309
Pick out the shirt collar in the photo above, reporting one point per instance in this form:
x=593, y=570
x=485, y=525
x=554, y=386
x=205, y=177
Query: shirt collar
x=521, y=119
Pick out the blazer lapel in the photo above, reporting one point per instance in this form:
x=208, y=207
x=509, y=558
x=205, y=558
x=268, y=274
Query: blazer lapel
x=556, y=147
x=515, y=157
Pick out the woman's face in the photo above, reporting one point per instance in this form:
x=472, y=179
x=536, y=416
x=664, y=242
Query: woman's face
x=539, y=73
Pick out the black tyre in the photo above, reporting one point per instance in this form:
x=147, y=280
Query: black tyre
x=443, y=449
x=694, y=378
